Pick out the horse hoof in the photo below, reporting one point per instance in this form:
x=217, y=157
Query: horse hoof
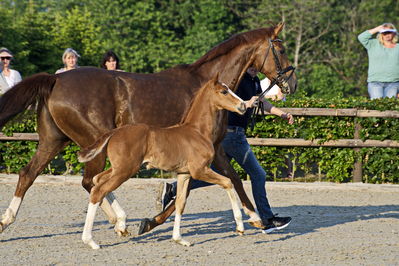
x=182, y=242
x=257, y=224
x=144, y=226
x=1, y=227
x=241, y=233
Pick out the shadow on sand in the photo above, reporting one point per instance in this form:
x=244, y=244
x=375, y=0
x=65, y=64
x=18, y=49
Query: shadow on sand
x=215, y=223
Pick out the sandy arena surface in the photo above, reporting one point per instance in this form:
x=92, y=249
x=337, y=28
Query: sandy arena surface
x=347, y=224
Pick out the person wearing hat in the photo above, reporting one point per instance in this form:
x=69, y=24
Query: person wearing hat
x=383, y=54
x=70, y=60
x=8, y=77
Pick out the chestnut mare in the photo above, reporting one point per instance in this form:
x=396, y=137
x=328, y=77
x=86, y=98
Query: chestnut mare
x=186, y=149
x=81, y=105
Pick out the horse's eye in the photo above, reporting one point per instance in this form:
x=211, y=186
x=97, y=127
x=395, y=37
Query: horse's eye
x=225, y=92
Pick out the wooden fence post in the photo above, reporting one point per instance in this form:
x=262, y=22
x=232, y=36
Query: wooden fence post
x=357, y=167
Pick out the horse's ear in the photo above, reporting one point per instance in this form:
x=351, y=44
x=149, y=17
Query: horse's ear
x=278, y=29
x=216, y=79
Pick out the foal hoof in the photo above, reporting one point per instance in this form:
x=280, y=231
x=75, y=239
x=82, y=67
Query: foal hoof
x=123, y=233
x=1, y=227
x=257, y=224
x=92, y=244
x=144, y=226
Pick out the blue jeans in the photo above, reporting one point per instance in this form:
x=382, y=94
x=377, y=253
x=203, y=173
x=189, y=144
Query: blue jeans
x=383, y=89
x=236, y=146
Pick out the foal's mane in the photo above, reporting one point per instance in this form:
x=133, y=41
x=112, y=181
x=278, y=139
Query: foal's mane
x=196, y=95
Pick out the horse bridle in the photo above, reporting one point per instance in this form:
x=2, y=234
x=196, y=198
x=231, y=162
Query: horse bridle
x=281, y=78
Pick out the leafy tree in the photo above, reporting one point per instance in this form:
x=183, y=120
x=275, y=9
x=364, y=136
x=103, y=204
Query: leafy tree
x=37, y=52
x=76, y=29
x=209, y=23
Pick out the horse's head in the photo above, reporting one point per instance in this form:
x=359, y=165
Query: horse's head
x=271, y=59
x=224, y=98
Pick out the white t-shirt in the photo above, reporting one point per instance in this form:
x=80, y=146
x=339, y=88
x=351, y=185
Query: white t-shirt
x=14, y=78
x=264, y=83
x=274, y=91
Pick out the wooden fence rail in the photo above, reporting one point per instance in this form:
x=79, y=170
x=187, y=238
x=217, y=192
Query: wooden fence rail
x=341, y=112
x=355, y=143
x=351, y=143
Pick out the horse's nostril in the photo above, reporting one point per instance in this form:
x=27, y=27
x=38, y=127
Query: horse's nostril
x=243, y=108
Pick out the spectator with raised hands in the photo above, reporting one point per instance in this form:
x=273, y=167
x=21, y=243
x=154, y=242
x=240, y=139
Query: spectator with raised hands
x=383, y=55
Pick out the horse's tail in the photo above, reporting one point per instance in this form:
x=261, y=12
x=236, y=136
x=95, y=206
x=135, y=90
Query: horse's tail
x=27, y=92
x=90, y=152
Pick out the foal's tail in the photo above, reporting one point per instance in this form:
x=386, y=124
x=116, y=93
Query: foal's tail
x=36, y=88
x=87, y=154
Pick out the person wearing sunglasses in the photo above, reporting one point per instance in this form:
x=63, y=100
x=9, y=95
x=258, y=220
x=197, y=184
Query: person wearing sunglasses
x=383, y=55
x=70, y=59
x=8, y=77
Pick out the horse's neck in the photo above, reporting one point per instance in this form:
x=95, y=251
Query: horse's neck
x=231, y=67
x=202, y=115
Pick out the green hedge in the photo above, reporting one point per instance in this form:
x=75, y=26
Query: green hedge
x=380, y=165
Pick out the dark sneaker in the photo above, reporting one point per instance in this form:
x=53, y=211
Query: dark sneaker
x=165, y=196
x=275, y=223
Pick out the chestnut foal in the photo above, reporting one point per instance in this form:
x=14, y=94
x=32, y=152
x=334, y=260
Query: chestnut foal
x=186, y=149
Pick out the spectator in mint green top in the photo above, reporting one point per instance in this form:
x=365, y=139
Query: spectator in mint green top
x=383, y=53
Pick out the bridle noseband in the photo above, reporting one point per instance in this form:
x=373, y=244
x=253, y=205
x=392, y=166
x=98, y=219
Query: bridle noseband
x=281, y=78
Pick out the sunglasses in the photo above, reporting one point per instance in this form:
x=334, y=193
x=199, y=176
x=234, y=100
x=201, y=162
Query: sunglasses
x=5, y=58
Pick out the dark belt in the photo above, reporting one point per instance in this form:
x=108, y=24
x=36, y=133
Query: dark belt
x=235, y=129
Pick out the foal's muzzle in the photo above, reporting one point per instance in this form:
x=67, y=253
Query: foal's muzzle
x=242, y=108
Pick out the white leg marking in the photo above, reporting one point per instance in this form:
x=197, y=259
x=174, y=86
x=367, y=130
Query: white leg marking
x=176, y=228
x=182, y=187
x=176, y=232
x=254, y=217
x=86, y=236
x=120, y=225
x=108, y=210
x=11, y=213
x=236, y=211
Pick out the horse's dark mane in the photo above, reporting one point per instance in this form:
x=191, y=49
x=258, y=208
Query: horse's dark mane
x=232, y=42
x=227, y=45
